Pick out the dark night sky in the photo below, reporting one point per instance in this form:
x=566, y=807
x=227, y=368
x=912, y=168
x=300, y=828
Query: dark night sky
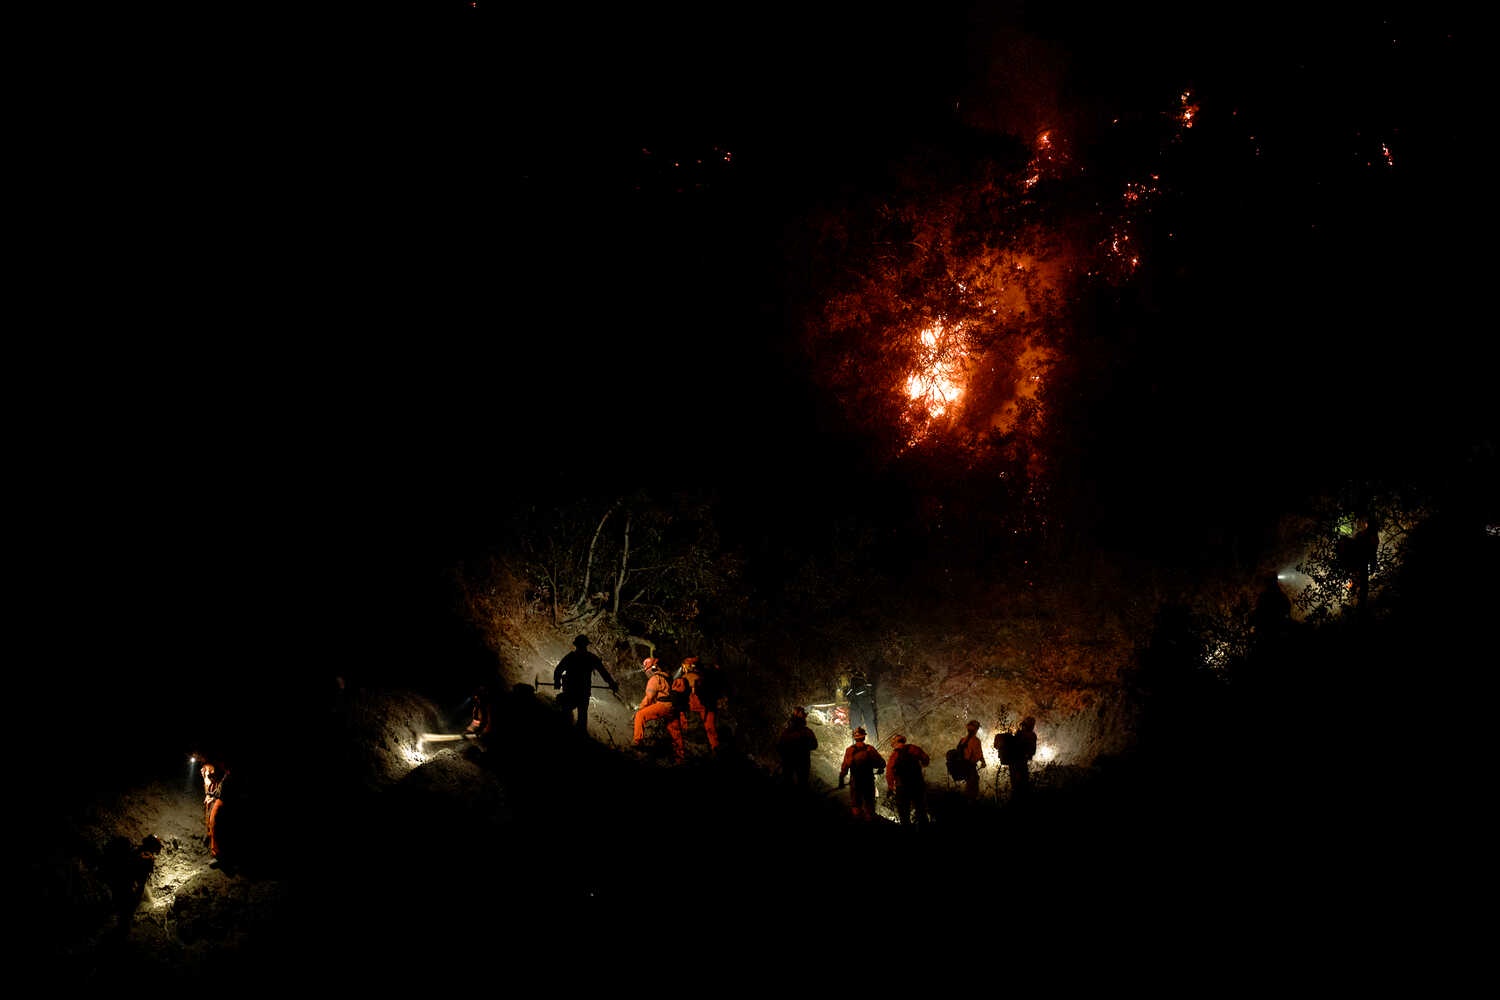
x=328, y=292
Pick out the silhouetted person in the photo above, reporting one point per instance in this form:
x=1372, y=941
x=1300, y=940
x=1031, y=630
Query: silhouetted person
x=861, y=763
x=795, y=747
x=1363, y=553
x=126, y=869
x=574, y=676
x=527, y=719
x=1016, y=754
x=530, y=733
x=1271, y=621
x=973, y=759
x=861, y=695
x=905, y=780
x=712, y=692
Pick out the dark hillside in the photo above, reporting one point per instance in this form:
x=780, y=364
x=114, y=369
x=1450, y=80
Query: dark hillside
x=363, y=863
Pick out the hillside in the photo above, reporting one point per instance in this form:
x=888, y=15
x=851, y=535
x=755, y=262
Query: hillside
x=361, y=862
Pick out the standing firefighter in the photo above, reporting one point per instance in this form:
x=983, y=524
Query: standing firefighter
x=861, y=763
x=966, y=760
x=795, y=746
x=703, y=697
x=861, y=695
x=906, y=781
x=215, y=780
x=1016, y=750
x=1362, y=554
x=575, y=676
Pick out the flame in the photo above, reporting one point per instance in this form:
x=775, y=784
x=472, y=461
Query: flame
x=936, y=381
x=1189, y=109
x=1048, y=158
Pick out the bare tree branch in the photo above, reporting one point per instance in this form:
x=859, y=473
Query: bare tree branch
x=588, y=566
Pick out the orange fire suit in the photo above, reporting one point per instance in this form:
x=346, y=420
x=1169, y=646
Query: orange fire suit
x=482, y=722
x=974, y=755
x=861, y=763
x=707, y=711
x=657, y=704
x=907, y=783
x=213, y=787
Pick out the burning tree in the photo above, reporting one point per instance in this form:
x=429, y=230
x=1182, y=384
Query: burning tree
x=958, y=326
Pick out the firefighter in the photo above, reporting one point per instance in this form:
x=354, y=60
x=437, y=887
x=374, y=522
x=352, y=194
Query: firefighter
x=482, y=722
x=127, y=869
x=574, y=675
x=861, y=763
x=973, y=755
x=703, y=697
x=656, y=703
x=215, y=776
x=1019, y=750
x=795, y=746
x=861, y=696
x=905, y=780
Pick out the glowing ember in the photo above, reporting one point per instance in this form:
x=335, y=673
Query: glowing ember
x=1189, y=109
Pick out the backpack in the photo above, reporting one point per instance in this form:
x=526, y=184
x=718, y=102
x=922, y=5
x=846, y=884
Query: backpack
x=959, y=769
x=709, y=688
x=907, y=766
x=680, y=693
x=1005, y=746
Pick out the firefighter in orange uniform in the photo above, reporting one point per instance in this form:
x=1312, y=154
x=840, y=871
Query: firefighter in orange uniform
x=704, y=685
x=905, y=780
x=214, y=776
x=861, y=763
x=656, y=703
x=482, y=722
x=973, y=759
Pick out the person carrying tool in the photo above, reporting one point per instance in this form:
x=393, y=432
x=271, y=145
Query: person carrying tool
x=574, y=675
x=656, y=703
x=215, y=777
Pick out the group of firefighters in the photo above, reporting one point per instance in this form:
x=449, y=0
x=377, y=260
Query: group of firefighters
x=905, y=769
x=695, y=690
x=699, y=689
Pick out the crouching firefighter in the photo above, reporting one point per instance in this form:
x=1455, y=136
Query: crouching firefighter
x=656, y=703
